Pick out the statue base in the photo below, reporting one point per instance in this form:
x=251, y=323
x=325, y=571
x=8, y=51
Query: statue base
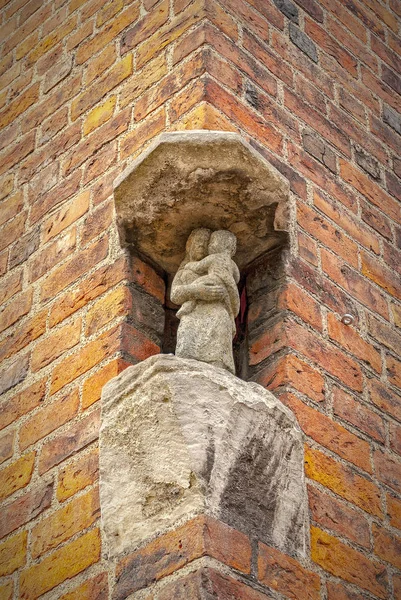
x=180, y=438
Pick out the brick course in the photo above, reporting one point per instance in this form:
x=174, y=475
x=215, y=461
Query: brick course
x=85, y=86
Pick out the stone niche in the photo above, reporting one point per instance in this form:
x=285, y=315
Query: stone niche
x=193, y=179
x=180, y=437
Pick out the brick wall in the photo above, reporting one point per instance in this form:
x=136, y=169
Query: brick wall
x=314, y=86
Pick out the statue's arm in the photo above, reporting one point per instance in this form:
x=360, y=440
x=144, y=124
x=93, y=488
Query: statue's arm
x=194, y=291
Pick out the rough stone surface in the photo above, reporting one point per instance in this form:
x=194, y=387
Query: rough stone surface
x=180, y=437
x=196, y=179
x=392, y=118
x=288, y=9
x=206, y=286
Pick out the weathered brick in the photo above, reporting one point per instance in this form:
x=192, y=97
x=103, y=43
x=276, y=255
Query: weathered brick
x=285, y=575
x=349, y=564
x=89, y=146
x=171, y=551
x=95, y=92
x=109, y=10
x=296, y=300
x=107, y=34
x=343, y=480
x=303, y=42
x=70, y=271
x=101, y=162
x=57, y=73
x=384, y=398
x=330, y=434
x=25, y=508
x=6, y=445
x=12, y=230
x=48, y=418
x=16, y=475
x=99, y=63
x=384, y=334
x=52, y=254
x=6, y=590
x=115, y=304
x=92, y=387
x=61, y=525
x=331, y=46
x=80, y=35
x=20, y=105
x=66, y=216
x=24, y=247
x=349, y=409
x=67, y=188
x=145, y=27
x=89, y=590
x=13, y=553
x=386, y=545
x=32, y=328
x=394, y=510
x=292, y=371
x=323, y=230
x=331, y=513
x=90, y=288
x=80, y=473
x=10, y=207
x=62, y=564
x=393, y=368
x=143, y=132
x=51, y=40
x=13, y=374
x=12, y=284
x=23, y=402
x=75, y=438
x=388, y=469
x=383, y=276
x=355, y=284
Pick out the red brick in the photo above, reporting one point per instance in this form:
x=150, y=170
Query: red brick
x=349, y=409
x=171, y=551
x=296, y=300
x=266, y=59
x=20, y=404
x=331, y=513
x=286, y=576
x=331, y=46
x=376, y=220
x=383, y=276
x=349, y=564
x=393, y=369
x=137, y=344
x=395, y=438
x=20, y=105
x=330, y=236
x=52, y=254
x=307, y=248
x=14, y=373
x=394, y=511
x=70, y=271
x=7, y=445
x=12, y=284
x=350, y=339
x=145, y=27
x=292, y=371
x=90, y=288
x=79, y=435
x=101, y=162
x=360, y=50
x=25, y=508
x=343, y=480
x=386, y=545
x=330, y=434
x=384, y=398
x=388, y=470
x=355, y=284
x=143, y=132
x=81, y=472
x=384, y=334
x=51, y=126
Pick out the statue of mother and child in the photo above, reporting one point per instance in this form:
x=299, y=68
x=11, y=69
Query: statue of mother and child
x=206, y=287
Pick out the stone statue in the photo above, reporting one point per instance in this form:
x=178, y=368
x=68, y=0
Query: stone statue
x=206, y=287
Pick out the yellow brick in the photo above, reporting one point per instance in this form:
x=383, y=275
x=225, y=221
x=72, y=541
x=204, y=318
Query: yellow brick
x=99, y=115
x=6, y=591
x=75, y=516
x=97, y=91
x=62, y=564
x=100, y=63
x=51, y=40
x=21, y=104
x=141, y=81
x=26, y=46
x=204, y=116
x=17, y=475
x=108, y=11
x=77, y=475
x=13, y=553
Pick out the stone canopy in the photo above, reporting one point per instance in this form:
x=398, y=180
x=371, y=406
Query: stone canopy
x=196, y=179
